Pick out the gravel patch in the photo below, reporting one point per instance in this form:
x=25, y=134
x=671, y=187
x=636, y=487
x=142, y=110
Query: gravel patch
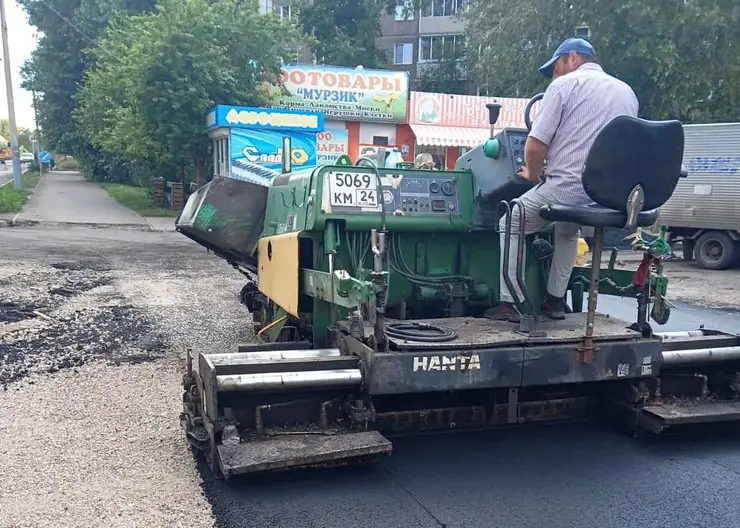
x=91, y=362
x=71, y=314
x=98, y=446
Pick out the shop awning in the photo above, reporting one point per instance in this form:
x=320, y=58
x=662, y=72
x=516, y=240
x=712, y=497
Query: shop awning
x=445, y=136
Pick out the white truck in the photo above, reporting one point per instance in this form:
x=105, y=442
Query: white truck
x=704, y=211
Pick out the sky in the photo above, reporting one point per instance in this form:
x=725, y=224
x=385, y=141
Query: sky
x=22, y=41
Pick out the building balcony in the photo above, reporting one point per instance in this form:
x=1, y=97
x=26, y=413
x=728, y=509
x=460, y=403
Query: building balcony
x=438, y=25
x=426, y=66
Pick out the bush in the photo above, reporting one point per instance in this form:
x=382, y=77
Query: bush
x=68, y=164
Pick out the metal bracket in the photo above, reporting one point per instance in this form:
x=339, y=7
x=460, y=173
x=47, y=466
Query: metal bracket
x=529, y=318
x=587, y=351
x=513, y=407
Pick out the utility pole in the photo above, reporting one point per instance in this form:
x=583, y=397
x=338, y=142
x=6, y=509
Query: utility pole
x=11, y=106
x=36, y=133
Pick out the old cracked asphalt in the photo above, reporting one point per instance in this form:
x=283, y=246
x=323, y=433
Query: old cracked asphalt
x=554, y=476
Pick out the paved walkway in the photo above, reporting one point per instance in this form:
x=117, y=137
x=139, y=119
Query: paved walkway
x=66, y=197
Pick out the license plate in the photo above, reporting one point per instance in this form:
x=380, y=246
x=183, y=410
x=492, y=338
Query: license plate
x=353, y=189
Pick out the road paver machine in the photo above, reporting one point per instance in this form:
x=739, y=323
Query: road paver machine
x=368, y=288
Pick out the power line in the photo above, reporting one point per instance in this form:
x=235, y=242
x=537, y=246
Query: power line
x=69, y=23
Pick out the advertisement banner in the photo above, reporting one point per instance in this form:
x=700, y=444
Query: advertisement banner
x=252, y=150
x=445, y=110
x=264, y=119
x=346, y=94
x=330, y=144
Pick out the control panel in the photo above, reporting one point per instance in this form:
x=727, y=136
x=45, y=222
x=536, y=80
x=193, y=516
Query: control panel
x=516, y=144
x=496, y=174
x=412, y=193
x=423, y=196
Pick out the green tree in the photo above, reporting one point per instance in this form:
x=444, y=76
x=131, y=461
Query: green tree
x=681, y=58
x=345, y=32
x=157, y=74
x=58, y=63
x=448, y=74
x=24, y=134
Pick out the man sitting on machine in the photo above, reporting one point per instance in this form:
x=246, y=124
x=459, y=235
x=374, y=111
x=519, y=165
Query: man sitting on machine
x=578, y=103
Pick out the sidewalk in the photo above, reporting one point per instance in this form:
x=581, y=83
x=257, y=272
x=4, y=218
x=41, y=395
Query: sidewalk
x=66, y=198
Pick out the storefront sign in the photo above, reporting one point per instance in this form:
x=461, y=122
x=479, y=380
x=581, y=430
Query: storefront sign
x=446, y=110
x=264, y=119
x=330, y=144
x=265, y=148
x=346, y=94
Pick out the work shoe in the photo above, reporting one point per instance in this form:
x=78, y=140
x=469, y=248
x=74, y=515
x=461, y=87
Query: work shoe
x=503, y=312
x=554, y=308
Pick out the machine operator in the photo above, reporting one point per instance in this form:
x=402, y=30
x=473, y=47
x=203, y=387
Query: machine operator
x=578, y=103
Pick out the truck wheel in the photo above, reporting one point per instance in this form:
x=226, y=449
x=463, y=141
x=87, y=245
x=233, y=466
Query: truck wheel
x=715, y=251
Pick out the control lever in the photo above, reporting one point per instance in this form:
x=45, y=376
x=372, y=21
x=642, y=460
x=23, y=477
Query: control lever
x=492, y=147
x=494, y=109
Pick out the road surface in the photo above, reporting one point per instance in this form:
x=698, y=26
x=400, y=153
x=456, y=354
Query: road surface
x=569, y=476
x=102, y=446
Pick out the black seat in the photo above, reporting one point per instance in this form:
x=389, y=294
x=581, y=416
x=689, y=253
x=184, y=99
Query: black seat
x=595, y=216
x=632, y=169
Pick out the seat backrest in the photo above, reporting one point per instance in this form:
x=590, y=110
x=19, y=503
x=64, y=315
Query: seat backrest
x=630, y=151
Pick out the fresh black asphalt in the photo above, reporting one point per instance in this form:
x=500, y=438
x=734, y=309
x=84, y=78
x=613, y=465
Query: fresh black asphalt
x=555, y=476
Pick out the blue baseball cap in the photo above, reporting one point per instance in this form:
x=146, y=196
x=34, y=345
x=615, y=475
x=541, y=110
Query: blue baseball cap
x=578, y=45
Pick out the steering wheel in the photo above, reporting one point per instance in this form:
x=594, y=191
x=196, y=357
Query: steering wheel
x=528, y=110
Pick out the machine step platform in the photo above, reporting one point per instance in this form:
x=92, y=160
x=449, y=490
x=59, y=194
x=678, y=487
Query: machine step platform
x=478, y=332
x=660, y=417
x=294, y=451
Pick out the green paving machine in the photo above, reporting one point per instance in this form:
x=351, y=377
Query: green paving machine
x=368, y=289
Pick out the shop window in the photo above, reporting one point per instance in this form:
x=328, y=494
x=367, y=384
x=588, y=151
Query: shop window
x=404, y=53
x=221, y=157
x=380, y=140
x=439, y=154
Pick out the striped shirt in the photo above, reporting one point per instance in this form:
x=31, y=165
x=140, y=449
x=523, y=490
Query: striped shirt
x=573, y=111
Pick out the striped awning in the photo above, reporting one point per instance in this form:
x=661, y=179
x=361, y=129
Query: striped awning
x=445, y=136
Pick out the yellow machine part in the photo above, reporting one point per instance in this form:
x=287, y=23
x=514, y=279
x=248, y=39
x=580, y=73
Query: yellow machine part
x=582, y=252
x=278, y=270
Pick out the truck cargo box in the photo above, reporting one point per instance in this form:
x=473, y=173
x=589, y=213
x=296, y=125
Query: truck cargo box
x=708, y=198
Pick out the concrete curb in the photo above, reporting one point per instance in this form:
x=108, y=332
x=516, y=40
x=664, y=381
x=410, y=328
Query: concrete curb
x=16, y=222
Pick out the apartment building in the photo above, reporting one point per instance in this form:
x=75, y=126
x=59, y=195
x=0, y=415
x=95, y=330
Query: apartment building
x=284, y=9
x=418, y=39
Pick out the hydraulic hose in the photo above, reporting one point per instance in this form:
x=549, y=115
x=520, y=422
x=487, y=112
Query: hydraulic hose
x=424, y=332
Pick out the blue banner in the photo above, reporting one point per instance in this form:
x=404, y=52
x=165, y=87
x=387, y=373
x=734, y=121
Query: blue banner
x=265, y=119
x=265, y=148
